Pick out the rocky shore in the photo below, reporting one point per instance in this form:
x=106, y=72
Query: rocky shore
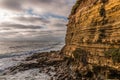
x=59, y=67
x=50, y=63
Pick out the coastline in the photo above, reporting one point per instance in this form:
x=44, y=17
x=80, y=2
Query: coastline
x=53, y=65
x=14, y=59
x=50, y=63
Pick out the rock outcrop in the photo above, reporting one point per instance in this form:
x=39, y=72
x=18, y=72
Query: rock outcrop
x=92, y=30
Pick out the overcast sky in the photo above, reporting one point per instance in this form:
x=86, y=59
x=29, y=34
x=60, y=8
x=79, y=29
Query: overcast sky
x=33, y=19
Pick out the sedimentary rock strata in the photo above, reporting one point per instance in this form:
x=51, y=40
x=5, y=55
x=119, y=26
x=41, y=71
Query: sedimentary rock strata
x=94, y=26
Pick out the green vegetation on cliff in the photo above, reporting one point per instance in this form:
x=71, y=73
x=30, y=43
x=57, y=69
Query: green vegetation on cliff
x=114, y=54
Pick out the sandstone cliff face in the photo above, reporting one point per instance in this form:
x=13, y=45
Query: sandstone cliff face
x=94, y=26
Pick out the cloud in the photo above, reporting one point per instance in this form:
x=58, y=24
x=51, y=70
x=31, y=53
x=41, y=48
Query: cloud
x=20, y=26
x=49, y=23
x=35, y=30
x=33, y=19
x=11, y=5
x=58, y=7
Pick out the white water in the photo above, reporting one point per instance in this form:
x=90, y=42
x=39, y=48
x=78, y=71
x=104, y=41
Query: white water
x=8, y=60
x=32, y=74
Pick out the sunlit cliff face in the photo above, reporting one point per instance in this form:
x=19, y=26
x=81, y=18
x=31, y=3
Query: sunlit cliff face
x=33, y=19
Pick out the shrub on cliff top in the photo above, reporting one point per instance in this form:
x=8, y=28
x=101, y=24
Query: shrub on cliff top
x=114, y=54
x=74, y=8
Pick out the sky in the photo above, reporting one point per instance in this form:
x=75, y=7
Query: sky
x=34, y=19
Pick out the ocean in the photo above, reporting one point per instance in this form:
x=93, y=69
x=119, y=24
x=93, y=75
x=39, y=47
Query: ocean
x=13, y=52
x=8, y=47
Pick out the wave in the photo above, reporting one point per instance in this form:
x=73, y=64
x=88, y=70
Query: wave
x=55, y=46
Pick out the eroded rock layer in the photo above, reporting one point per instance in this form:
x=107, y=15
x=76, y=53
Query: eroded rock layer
x=94, y=26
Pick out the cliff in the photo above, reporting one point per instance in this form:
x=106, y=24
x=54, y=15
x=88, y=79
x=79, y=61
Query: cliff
x=92, y=50
x=93, y=34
